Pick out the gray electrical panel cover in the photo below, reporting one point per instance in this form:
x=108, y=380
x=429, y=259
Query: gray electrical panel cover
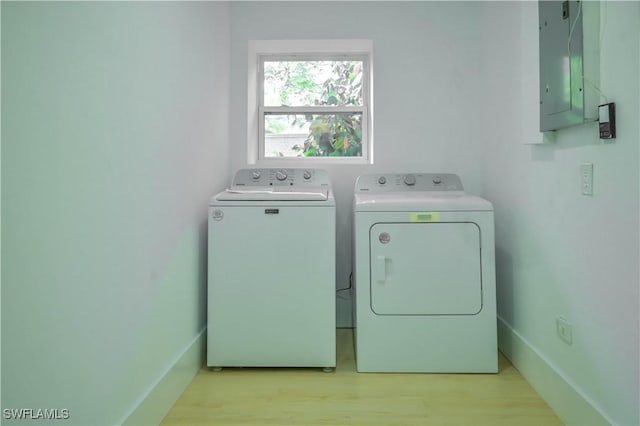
x=569, y=63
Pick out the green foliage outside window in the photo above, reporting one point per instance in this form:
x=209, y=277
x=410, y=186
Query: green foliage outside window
x=317, y=83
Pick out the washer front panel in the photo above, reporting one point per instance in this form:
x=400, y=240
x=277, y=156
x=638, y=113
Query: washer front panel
x=425, y=268
x=271, y=286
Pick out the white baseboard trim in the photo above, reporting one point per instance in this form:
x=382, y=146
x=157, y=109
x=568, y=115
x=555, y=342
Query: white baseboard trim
x=157, y=402
x=562, y=395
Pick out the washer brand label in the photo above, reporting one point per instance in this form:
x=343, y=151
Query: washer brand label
x=425, y=217
x=271, y=211
x=217, y=215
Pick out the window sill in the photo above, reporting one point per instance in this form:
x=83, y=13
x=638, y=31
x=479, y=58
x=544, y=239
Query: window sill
x=309, y=161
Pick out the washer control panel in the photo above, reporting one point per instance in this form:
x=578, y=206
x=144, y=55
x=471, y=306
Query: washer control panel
x=281, y=177
x=402, y=182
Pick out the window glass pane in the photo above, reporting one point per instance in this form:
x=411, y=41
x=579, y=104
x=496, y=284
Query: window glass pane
x=311, y=83
x=313, y=135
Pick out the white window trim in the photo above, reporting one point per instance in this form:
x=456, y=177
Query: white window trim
x=331, y=47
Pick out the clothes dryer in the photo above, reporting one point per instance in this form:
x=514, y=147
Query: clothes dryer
x=271, y=271
x=424, y=276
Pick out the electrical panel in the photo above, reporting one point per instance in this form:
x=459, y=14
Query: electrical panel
x=569, y=62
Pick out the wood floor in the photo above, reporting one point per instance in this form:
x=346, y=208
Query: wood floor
x=306, y=397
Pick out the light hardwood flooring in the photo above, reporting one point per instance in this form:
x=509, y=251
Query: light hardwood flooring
x=297, y=396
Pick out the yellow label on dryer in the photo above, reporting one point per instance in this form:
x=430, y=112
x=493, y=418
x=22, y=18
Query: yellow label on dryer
x=425, y=217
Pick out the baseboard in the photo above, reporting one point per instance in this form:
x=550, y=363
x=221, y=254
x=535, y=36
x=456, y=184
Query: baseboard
x=165, y=392
x=559, y=392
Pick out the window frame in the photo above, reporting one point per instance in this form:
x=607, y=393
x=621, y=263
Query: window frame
x=261, y=51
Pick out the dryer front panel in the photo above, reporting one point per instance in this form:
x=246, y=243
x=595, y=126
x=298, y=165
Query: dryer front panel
x=425, y=268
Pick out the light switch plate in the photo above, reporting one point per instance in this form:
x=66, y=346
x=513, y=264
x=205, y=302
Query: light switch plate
x=586, y=173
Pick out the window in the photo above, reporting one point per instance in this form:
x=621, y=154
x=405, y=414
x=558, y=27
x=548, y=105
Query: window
x=310, y=100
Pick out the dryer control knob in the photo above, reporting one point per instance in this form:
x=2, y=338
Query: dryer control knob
x=255, y=175
x=281, y=174
x=437, y=180
x=306, y=175
x=382, y=180
x=410, y=180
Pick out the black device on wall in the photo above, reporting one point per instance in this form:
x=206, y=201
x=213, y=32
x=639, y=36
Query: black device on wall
x=607, y=120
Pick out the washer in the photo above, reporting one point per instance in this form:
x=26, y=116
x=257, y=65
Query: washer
x=271, y=271
x=424, y=276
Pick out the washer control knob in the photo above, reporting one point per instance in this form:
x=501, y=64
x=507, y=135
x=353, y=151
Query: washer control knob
x=255, y=175
x=410, y=180
x=281, y=174
x=437, y=180
x=306, y=175
x=382, y=180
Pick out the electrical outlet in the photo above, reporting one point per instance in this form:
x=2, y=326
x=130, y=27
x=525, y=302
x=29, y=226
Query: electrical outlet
x=564, y=329
x=586, y=171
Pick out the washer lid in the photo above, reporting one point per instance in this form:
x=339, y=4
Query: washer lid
x=254, y=193
x=420, y=201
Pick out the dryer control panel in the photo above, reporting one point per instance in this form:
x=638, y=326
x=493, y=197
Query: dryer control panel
x=402, y=182
x=281, y=177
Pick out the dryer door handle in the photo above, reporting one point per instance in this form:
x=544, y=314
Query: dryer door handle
x=380, y=268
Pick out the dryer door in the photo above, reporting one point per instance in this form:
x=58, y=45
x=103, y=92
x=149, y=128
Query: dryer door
x=425, y=268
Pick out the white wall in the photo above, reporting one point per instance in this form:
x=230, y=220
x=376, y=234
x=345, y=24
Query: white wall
x=426, y=88
x=114, y=135
x=560, y=253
